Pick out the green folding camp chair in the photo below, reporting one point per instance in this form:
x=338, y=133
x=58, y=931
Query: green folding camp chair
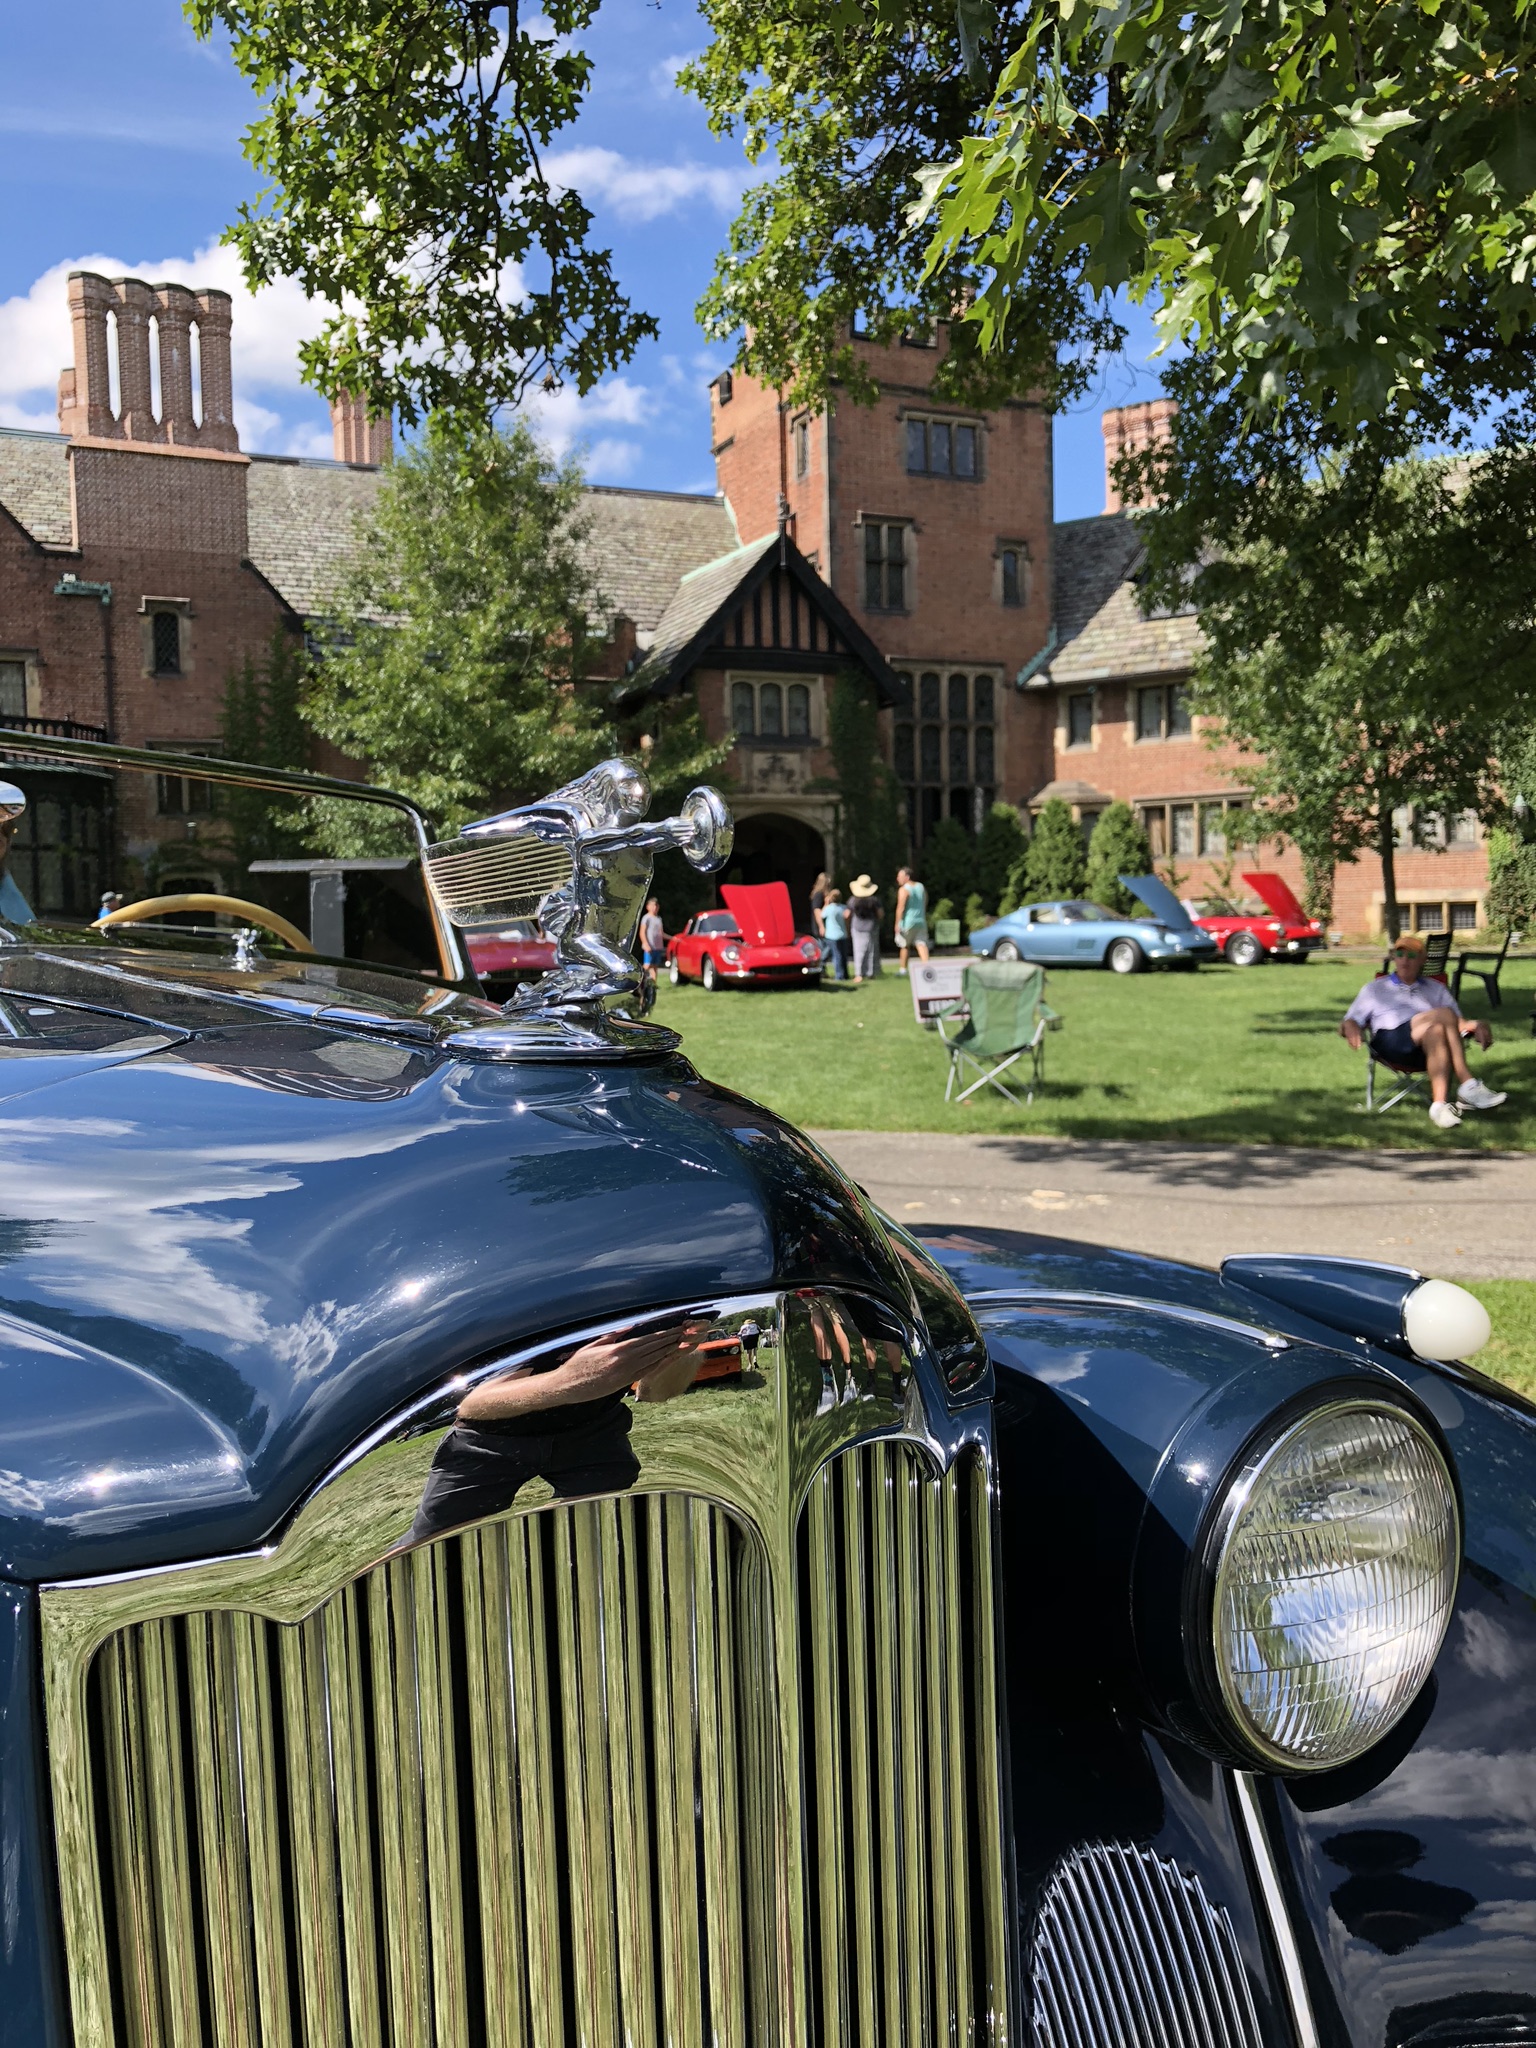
x=1004, y=1020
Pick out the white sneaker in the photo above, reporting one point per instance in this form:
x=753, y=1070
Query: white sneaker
x=1444, y=1116
x=1476, y=1095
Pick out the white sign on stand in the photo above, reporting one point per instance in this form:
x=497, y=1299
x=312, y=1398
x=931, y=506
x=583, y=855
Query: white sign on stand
x=936, y=989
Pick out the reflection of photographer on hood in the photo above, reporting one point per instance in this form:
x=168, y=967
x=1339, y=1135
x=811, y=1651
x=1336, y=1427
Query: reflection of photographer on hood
x=14, y=907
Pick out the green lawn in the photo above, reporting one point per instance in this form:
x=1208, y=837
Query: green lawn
x=1511, y=1353
x=1225, y=1056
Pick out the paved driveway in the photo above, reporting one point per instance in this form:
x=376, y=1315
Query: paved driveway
x=1472, y=1216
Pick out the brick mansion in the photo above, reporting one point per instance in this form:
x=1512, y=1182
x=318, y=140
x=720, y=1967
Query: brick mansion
x=144, y=556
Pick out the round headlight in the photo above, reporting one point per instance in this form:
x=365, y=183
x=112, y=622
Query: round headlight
x=1335, y=1572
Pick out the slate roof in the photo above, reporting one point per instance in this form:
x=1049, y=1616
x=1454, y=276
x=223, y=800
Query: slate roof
x=302, y=515
x=1101, y=631
x=695, y=600
x=300, y=518
x=644, y=542
x=34, y=484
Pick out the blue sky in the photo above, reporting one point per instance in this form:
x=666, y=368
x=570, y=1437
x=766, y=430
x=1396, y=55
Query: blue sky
x=119, y=149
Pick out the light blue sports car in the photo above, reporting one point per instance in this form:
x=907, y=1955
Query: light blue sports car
x=1082, y=934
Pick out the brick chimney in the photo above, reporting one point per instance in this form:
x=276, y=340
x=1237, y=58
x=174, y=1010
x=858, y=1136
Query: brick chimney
x=1127, y=430
x=153, y=328
x=357, y=438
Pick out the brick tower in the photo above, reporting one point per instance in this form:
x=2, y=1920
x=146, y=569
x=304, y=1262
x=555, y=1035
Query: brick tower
x=932, y=523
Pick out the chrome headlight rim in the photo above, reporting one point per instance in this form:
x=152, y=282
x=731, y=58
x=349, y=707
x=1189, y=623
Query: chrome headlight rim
x=1237, y=1739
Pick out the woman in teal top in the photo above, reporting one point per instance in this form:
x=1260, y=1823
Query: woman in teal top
x=911, y=918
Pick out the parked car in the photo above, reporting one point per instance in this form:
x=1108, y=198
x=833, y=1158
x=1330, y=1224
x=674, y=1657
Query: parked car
x=1081, y=934
x=752, y=941
x=1281, y=930
x=402, y=1639
x=508, y=959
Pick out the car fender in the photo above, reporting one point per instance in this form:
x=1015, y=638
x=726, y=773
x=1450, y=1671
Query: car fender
x=1404, y=1883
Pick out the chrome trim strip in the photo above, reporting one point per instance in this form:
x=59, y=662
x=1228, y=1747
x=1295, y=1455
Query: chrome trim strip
x=1179, y=1312
x=1277, y=1918
x=246, y=775
x=573, y=1738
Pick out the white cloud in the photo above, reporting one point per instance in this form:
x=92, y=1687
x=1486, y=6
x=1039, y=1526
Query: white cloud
x=154, y=131
x=664, y=74
x=610, y=461
x=640, y=191
x=565, y=420
x=36, y=343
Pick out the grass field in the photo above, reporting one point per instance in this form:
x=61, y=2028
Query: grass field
x=1225, y=1056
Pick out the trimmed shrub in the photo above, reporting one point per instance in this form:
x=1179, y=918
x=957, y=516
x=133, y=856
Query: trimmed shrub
x=1118, y=847
x=1056, y=864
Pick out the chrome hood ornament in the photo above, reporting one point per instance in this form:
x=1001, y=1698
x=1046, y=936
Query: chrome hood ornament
x=579, y=861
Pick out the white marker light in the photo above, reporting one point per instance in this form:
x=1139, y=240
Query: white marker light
x=1442, y=1321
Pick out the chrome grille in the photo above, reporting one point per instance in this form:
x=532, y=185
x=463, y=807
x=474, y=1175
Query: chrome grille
x=525, y=1786
x=903, y=1798
x=1128, y=1949
x=478, y=879
x=494, y=1791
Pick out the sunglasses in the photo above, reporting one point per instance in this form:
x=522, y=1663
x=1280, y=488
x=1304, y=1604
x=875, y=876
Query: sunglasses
x=1406, y=953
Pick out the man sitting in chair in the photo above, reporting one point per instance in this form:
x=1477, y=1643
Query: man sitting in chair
x=1418, y=1024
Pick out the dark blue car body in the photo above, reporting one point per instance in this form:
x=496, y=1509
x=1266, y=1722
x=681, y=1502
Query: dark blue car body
x=251, y=1218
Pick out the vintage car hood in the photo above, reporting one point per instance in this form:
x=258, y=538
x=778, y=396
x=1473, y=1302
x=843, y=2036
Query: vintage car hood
x=763, y=911
x=1160, y=900
x=226, y=1257
x=1276, y=893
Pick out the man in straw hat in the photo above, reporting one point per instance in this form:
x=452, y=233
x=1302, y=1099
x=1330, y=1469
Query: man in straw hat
x=1418, y=1024
x=14, y=907
x=864, y=918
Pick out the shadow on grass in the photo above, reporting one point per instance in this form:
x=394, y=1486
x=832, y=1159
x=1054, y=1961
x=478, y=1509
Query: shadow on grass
x=1225, y=1150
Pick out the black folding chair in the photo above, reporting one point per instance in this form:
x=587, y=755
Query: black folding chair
x=1412, y=1072
x=1486, y=966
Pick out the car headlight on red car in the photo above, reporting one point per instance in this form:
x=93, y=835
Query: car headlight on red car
x=730, y=953
x=809, y=950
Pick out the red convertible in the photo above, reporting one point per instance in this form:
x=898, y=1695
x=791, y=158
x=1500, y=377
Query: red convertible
x=504, y=960
x=1246, y=938
x=752, y=940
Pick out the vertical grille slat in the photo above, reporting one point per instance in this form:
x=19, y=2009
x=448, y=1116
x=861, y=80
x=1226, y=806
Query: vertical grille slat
x=526, y=1787
x=902, y=1760
x=1129, y=1948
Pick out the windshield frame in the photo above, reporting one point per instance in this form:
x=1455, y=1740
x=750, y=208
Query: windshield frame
x=452, y=956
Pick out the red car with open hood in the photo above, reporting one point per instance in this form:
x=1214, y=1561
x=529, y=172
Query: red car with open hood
x=1281, y=931
x=753, y=940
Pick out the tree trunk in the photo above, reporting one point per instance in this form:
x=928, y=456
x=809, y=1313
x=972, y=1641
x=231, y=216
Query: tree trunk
x=1391, y=915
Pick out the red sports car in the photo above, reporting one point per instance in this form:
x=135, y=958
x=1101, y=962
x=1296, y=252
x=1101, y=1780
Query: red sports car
x=752, y=940
x=1246, y=938
x=504, y=960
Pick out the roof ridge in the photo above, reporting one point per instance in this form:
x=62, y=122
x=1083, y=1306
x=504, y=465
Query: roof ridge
x=647, y=491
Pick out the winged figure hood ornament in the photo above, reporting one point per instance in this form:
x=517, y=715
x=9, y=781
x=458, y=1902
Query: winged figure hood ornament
x=580, y=862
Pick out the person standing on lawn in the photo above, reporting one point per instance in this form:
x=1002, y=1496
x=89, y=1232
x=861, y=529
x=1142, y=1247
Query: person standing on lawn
x=864, y=914
x=1418, y=1024
x=911, y=917
x=653, y=941
x=834, y=934
x=819, y=888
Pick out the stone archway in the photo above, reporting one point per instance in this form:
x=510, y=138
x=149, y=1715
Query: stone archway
x=771, y=847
